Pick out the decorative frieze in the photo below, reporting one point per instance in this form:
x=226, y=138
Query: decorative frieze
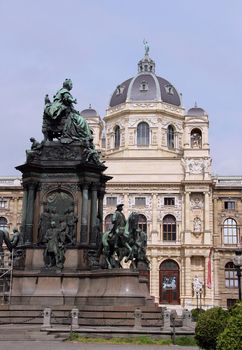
x=196, y=165
x=196, y=201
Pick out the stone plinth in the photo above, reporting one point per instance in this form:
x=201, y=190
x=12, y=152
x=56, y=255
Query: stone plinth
x=100, y=287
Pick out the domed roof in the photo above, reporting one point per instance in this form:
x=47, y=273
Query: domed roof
x=196, y=111
x=145, y=86
x=89, y=112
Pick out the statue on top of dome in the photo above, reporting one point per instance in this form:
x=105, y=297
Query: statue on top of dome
x=147, y=49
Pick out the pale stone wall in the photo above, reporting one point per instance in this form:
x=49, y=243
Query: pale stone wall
x=11, y=194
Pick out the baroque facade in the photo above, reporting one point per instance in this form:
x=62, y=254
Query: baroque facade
x=159, y=157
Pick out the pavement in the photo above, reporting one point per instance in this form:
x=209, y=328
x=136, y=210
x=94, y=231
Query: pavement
x=60, y=345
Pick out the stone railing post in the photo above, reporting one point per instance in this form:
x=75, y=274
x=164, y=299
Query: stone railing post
x=137, y=318
x=166, y=320
x=74, y=318
x=47, y=318
x=187, y=318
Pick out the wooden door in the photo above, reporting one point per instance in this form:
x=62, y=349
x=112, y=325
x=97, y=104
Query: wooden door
x=169, y=283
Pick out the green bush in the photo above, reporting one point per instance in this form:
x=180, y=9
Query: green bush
x=195, y=313
x=209, y=325
x=231, y=337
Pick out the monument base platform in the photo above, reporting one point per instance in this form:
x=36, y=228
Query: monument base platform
x=98, y=287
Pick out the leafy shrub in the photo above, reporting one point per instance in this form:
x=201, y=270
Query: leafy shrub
x=195, y=313
x=231, y=337
x=209, y=325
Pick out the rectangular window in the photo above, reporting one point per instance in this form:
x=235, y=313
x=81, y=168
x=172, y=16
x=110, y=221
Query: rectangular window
x=231, y=280
x=169, y=201
x=140, y=201
x=229, y=205
x=231, y=302
x=111, y=201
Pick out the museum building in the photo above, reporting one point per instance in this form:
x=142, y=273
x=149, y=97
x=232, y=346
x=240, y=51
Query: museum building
x=158, y=155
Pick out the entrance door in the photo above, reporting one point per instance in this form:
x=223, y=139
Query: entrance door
x=169, y=283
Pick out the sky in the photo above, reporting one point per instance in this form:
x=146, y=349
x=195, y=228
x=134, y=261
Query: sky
x=196, y=45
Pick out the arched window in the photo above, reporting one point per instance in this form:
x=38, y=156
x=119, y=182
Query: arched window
x=3, y=222
x=170, y=137
x=231, y=280
x=143, y=134
x=196, y=138
x=230, y=231
x=142, y=223
x=169, y=228
x=117, y=137
x=108, y=222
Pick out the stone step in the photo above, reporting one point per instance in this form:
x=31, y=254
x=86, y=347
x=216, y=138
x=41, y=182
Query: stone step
x=24, y=334
x=88, y=315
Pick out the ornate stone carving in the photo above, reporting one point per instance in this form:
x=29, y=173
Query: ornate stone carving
x=143, y=105
x=154, y=138
x=176, y=213
x=61, y=153
x=131, y=138
x=196, y=201
x=134, y=121
x=197, y=226
x=197, y=165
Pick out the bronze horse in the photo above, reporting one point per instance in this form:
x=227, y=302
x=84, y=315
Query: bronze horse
x=131, y=245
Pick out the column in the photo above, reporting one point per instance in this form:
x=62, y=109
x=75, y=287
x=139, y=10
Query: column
x=215, y=279
x=100, y=208
x=154, y=231
x=16, y=210
x=126, y=204
x=207, y=238
x=84, y=214
x=93, y=230
x=28, y=234
x=24, y=208
x=188, y=280
x=208, y=291
x=154, y=278
x=187, y=233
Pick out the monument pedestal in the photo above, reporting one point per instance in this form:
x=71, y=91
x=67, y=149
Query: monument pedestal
x=99, y=287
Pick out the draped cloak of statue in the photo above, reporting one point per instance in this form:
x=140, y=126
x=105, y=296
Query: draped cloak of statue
x=75, y=127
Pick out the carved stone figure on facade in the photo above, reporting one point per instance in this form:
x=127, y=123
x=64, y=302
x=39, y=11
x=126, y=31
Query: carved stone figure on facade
x=71, y=221
x=197, y=285
x=61, y=120
x=207, y=165
x=35, y=150
x=197, y=225
x=196, y=203
x=196, y=140
x=44, y=224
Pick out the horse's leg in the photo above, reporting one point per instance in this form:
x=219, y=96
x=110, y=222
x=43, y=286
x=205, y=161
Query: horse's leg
x=108, y=262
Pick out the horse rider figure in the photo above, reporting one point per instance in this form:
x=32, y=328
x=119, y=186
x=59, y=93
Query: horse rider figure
x=119, y=223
